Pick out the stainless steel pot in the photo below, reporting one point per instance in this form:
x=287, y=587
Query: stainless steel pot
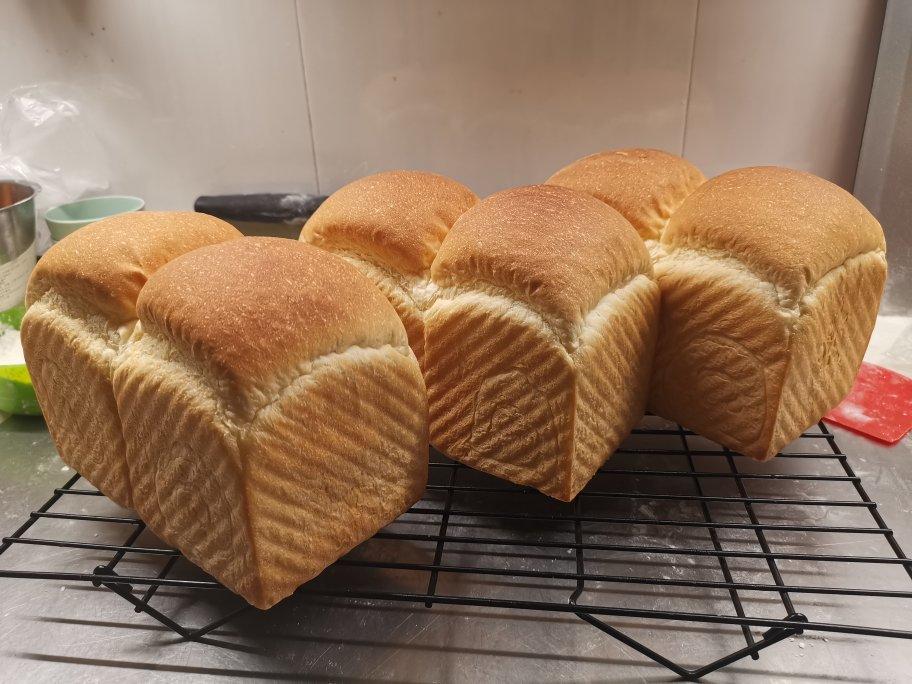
x=17, y=240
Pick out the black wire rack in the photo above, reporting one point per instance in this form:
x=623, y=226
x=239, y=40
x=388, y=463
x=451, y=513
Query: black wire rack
x=673, y=528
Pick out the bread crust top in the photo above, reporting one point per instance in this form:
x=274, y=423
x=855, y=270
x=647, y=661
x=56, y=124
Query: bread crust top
x=556, y=249
x=256, y=308
x=789, y=227
x=105, y=265
x=395, y=218
x=646, y=186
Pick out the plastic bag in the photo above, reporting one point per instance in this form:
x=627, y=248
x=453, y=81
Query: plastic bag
x=45, y=138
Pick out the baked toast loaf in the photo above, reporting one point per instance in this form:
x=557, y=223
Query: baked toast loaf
x=539, y=345
x=81, y=314
x=646, y=186
x=274, y=414
x=390, y=226
x=770, y=288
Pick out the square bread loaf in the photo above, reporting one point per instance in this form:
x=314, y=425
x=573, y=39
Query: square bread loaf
x=81, y=314
x=273, y=412
x=770, y=288
x=539, y=344
x=646, y=186
x=390, y=225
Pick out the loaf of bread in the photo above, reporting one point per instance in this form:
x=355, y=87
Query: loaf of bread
x=390, y=226
x=274, y=414
x=81, y=301
x=540, y=342
x=770, y=289
x=645, y=186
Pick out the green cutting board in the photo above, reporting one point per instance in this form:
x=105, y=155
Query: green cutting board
x=16, y=392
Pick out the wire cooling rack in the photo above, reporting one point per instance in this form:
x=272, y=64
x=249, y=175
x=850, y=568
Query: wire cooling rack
x=673, y=528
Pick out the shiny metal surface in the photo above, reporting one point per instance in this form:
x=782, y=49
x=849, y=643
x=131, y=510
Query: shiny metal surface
x=17, y=218
x=51, y=630
x=884, y=176
x=17, y=239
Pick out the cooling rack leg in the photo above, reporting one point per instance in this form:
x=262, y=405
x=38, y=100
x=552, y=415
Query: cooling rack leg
x=761, y=537
x=444, y=522
x=125, y=591
x=150, y=592
x=580, y=563
x=723, y=563
x=196, y=634
x=770, y=637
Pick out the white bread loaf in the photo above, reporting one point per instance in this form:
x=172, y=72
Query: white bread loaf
x=81, y=301
x=646, y=186
x=390, y=226
x=770, y=290
x=539, y=346
x=273, y=412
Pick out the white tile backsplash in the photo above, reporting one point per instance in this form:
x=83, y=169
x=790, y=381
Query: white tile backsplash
x=492, y=93
x=217, y=96
x=782, y=82
x=188, y=98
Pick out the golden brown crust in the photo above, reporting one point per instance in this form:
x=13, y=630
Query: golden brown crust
x=264, y=506
x=273, y=415
x=646, y=186
x=70, y=366
x=556, y=249
x=395, y=218
x=722, y=352
x=828, y=344
x=105, y=265
x=770, y=288
x=789, y=227
x=81, y=300
x=505, y=399
x=227, y=305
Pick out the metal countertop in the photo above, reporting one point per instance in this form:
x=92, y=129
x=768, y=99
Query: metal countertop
x=50, y=630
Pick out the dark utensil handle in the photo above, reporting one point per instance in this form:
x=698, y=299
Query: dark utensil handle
x=263, y=207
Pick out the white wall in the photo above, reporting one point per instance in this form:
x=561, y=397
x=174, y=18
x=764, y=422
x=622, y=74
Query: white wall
x=206, y=96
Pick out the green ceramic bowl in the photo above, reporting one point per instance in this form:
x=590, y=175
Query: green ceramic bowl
x=66, y=218
x=16, y=392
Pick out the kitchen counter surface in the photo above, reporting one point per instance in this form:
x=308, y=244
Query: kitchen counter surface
x=50, y=630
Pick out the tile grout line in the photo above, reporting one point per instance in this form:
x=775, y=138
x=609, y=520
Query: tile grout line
x=310, y=120
x=693, y=59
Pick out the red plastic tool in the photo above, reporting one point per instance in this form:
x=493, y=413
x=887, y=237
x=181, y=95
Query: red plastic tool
x=879, y=405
